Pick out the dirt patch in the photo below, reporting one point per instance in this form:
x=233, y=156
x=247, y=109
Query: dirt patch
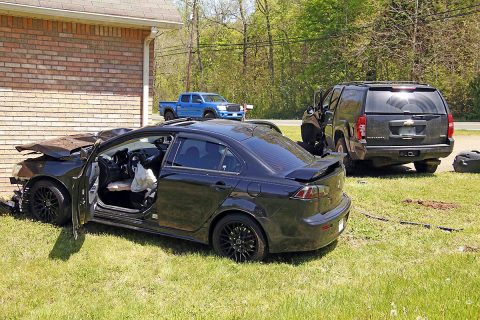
x=468, y=249
x=439, y=205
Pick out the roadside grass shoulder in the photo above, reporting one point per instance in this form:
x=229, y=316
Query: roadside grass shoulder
x=375, y=270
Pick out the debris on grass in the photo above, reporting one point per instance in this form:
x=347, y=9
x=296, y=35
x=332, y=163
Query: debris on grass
x=362, y=181
x=413, y=223
x=439, y=205
x=468, y=249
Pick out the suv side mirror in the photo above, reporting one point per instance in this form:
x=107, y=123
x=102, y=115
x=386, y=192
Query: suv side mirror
x=310, y=110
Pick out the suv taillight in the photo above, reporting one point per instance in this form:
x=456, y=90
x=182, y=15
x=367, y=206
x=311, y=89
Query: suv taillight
x=311, y=192
x=361, y=127
x=451, y=127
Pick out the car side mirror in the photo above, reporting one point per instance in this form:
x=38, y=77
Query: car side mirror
x=83, y=154
x=310, y=110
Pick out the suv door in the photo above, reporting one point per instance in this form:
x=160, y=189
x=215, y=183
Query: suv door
x=330, y=117
x=405, y=116
x=183, y=107
x=199, y=174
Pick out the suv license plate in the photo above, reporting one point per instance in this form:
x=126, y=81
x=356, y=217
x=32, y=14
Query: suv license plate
x=407, y=131
x=340, y=225
x=234, y=114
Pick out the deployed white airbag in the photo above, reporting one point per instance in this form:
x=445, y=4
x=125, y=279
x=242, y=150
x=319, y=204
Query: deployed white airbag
x=144, y=179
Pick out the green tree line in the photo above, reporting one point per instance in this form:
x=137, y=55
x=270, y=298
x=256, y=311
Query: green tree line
x=275, y=53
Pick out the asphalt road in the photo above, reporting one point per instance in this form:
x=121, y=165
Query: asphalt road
x=458, y=125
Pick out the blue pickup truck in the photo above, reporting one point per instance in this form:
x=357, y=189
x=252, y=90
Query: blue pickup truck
x=200, y=105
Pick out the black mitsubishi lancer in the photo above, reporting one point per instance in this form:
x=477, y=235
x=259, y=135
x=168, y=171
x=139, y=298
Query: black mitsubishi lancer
x=241, y=187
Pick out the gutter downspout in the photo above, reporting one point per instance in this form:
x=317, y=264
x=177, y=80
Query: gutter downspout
x=146, y=75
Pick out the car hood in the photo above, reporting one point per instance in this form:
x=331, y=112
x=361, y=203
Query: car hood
x=64, y=146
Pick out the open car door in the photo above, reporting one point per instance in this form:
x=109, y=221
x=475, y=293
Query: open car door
x=85, y=191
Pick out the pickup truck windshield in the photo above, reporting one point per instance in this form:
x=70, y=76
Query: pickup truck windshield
x=213, y=98
x=276, y=151
x=400, y=102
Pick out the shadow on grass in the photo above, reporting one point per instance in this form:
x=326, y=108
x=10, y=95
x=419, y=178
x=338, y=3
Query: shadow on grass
x=366, y=170
x=66, y=245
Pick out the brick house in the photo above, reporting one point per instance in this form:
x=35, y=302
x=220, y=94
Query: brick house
x=72, y=66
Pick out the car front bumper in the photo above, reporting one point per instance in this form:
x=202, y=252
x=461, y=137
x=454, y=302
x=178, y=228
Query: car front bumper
x=314, y=232
x=231, y=115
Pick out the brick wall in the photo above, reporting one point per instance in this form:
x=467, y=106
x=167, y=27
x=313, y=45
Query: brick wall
x=60, y=78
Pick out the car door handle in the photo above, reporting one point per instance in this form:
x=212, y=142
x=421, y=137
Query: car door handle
x=220, y=185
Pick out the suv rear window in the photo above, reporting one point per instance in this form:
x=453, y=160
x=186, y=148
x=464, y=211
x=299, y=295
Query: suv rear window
x=393, y=101
x=276, y=151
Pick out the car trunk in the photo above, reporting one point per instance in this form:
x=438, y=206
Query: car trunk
x=327, y=172
x=405, y=116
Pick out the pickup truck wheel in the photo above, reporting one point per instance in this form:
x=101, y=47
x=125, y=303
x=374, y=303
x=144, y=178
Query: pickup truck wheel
x=425, y=167
x=169, y=116
x=209, y=115
x=349, y=164
x=49, y=202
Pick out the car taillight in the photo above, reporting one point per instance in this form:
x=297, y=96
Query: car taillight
x=361, y=127
x=451, y=127
x=312, y=192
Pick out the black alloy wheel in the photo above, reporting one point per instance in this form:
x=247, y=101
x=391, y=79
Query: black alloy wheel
x=49, y=203
x=239, y=238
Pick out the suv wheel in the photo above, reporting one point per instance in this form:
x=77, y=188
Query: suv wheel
x=349, y=164
x=49, y=202
x=425, y=167
x=239, y=238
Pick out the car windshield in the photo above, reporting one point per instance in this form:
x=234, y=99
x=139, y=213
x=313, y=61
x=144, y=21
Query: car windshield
x=417, y=101
x=213, y=98
x=279, y=153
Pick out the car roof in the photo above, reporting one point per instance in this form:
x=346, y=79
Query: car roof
x=236, y=130
x=388, y=84
x=200, y=93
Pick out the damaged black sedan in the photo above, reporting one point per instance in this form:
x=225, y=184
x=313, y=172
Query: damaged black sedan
x=241, y=187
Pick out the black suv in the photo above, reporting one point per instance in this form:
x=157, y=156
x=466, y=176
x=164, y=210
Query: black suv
x=386, y=123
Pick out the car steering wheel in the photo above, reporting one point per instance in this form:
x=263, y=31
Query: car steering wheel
x=133, y=159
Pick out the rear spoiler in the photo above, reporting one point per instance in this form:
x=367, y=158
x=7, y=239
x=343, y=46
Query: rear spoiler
x=265, y=123
x=317, y=170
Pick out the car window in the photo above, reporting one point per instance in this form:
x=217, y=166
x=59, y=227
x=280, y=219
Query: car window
x=231, y=163
x=276, y=151
x=351, y=101
x=326, y=101
x=196, y=99
x=185, y=98
x=213, y=98
x=200, y=154
x=335, y=97
x=394, y=101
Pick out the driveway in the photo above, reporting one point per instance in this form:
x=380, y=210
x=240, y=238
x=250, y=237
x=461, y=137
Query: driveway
x=462, y=143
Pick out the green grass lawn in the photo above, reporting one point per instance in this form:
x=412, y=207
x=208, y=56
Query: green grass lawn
x=375, y=270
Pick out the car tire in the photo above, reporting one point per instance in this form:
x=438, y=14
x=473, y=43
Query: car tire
x=49, y=202
x=349, y=164
x=209, y=115
x=169, y=116
x=240, y=238
x=425, y=167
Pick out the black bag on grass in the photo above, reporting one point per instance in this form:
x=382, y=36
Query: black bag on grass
x=468, y=161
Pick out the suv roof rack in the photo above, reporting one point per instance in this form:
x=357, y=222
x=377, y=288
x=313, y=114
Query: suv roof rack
x=383, y=82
